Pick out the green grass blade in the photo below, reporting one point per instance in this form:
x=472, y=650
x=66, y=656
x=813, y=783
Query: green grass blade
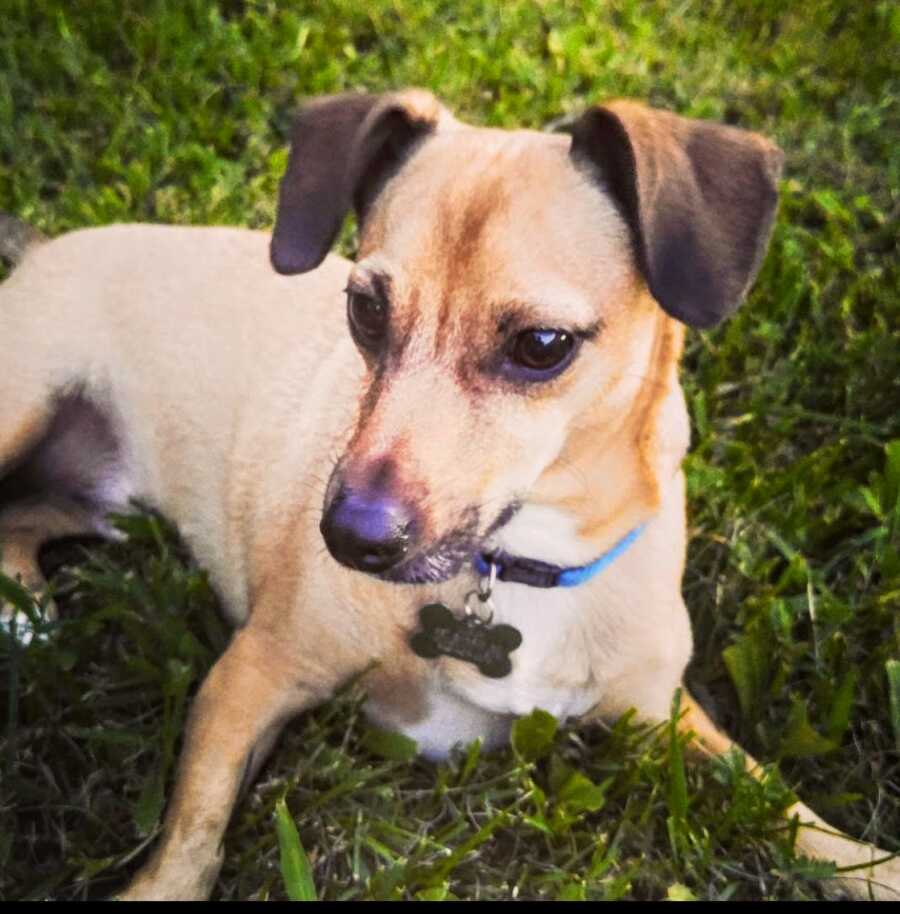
x=678, y=798
x=892, y=668
x=295, y=868
x=677, y=795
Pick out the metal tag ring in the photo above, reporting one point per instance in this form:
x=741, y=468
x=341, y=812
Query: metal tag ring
x=483, y=610
x=487, y=582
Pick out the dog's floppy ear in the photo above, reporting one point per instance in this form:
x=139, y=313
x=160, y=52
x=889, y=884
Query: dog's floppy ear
x=343, y=149
x=700, y=200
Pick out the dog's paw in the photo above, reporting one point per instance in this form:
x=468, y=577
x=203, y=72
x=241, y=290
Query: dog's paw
x=176, y=874
x=884, y=885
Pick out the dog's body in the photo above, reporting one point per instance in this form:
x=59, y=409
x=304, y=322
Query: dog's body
x=174, y=366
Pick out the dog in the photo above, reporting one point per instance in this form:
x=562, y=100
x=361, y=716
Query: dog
x=490, y=447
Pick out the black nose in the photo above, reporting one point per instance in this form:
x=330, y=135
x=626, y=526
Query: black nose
x=367, y=531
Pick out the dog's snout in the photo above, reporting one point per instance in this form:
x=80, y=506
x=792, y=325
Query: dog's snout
x=368, y=531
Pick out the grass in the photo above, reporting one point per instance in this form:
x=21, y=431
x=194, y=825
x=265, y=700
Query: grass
x=178, y=112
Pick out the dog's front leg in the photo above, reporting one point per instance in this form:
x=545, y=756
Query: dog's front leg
x=257, y=684
x=870, y=872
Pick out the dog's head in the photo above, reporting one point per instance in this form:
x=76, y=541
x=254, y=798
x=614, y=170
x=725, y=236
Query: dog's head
x=513, y=300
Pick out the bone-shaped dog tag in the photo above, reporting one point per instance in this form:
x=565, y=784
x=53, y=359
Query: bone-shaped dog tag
x=468, y=638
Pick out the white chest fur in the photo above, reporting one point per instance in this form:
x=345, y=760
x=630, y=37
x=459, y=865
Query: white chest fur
x=552, y=667
x=551, y=670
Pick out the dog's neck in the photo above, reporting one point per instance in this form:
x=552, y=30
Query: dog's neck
x=608, y=481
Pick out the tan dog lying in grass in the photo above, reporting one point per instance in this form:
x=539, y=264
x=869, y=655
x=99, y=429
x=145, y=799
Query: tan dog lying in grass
x=500, y=433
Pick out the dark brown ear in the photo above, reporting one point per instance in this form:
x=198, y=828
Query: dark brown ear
x=700, y=200
x=343, y=149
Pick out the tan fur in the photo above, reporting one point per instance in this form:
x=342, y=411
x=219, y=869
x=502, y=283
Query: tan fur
x=235, y=392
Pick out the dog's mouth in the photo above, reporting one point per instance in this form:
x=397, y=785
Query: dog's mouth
x=447, y=557
x=441, y=562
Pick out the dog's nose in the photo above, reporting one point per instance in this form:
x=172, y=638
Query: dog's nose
x=367, y=531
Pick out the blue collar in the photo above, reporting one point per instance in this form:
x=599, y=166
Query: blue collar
x=534, y=573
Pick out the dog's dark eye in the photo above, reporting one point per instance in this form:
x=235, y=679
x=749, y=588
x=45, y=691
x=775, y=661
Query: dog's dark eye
x=368, y=319
x=540, y=353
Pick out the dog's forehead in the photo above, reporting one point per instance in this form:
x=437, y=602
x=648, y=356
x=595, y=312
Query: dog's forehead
x=492, y=214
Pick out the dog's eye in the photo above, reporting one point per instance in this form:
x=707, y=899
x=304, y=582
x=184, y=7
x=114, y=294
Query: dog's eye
x=541, y=353
x=368, y=319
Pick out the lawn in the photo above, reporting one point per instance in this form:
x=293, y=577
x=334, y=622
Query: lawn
x=118, y=110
